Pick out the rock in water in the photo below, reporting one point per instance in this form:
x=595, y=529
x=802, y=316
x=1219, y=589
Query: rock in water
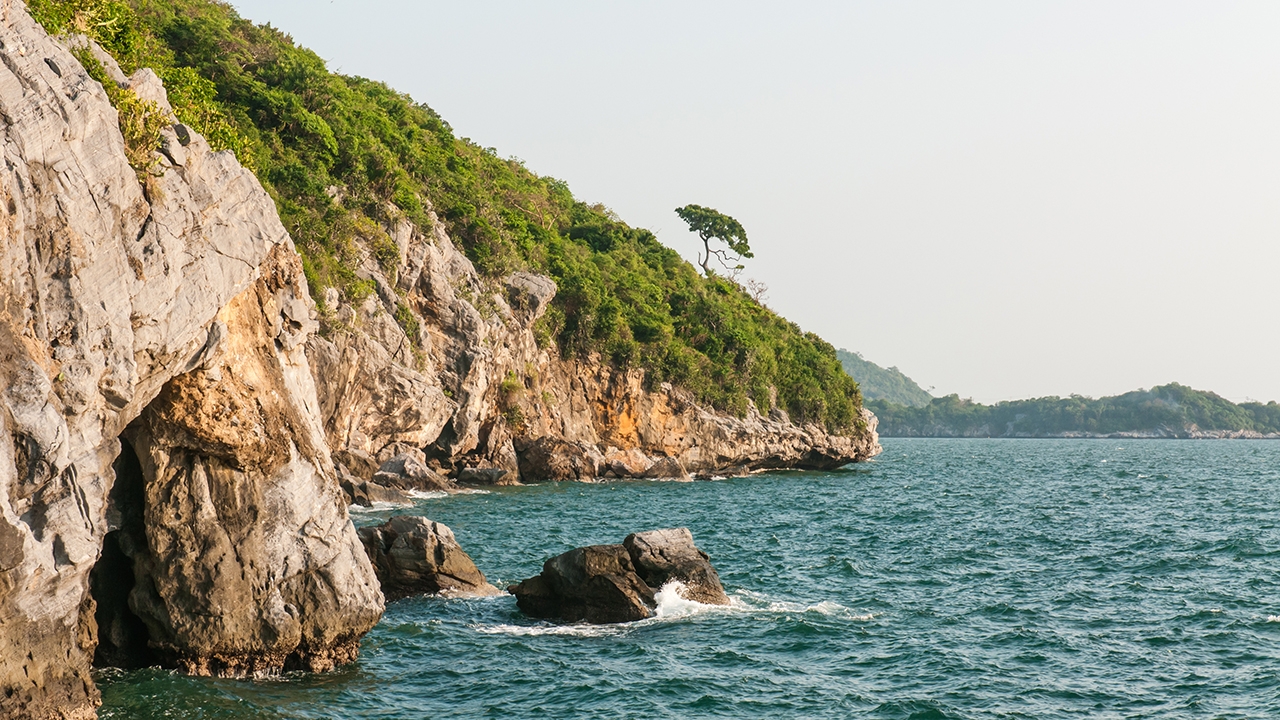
x=616, y=583
x=660, y=556
x=406, y=472
x=596, y=583
x=413, y=555
x=366, y=493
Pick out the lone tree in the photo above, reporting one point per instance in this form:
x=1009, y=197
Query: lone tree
x=712, y=225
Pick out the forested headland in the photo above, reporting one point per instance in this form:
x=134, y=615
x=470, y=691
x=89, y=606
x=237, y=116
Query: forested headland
x=1165, y=411
x=347, y=159
x=880, y=383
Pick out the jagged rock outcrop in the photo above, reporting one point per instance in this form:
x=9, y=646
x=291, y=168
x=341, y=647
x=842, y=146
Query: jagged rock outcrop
x=409, y=472
x=468, y=383
x=618, y=583
x=251, y=563
x=415, y=556
x=595, y=584
x=176, y=318
x=663, y=556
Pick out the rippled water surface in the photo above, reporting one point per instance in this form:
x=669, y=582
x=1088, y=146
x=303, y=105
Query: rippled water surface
x=946, y=579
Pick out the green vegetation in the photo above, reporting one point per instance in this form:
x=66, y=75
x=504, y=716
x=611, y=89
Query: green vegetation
x=347, y=158
x=713, y=225
x=1172, y=410
x=878, y=383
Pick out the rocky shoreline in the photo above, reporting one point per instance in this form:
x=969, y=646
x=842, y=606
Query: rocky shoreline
x=182, y=428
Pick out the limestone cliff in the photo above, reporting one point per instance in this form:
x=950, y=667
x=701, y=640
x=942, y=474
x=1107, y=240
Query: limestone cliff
x=468, y=386
x=173, y=317
x=176, y=414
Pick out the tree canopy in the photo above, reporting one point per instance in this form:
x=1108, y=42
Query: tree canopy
x=711, y=225
x=1170, y=410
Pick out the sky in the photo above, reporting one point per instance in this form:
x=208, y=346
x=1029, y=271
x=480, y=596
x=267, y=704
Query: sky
x=1003, y=199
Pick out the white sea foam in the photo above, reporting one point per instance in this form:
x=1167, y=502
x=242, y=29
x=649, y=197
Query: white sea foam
x=428, y=494
x=470, y=491
x=828, y=608
x=1273, y=618
x=580, y=630
x=376, y=507
x=671, y=603
x=672, y=606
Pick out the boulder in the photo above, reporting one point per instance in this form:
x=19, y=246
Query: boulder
x=668, y=468
x=414, y=556
x=407, y=472
x=627, y=463
x=596, y=584
x=554, y=459
x=487, y=476
x=366, y=493
x=617, y=583
x=660, y=556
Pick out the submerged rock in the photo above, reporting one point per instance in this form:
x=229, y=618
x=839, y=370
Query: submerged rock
x=414, y=556
x=617, y=583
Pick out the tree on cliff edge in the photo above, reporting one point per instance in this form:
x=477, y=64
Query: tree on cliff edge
x=713, y=225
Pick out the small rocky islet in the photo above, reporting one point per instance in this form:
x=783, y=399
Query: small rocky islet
x=595, y=584
x=185, y=420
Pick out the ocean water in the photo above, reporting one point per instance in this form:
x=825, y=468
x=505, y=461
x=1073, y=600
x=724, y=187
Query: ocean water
x=946, y=579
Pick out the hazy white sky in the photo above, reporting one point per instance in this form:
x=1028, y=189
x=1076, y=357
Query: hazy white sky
x=1004, y=199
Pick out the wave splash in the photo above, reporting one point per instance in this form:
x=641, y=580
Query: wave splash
x=671, y=605
x=758, y=602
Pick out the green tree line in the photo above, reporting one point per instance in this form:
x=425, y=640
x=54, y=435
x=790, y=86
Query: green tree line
x=1173, y=409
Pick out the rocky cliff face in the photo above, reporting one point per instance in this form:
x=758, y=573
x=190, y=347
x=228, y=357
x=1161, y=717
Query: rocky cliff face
x=173, y=317
x=173, y=429
x=468, y=385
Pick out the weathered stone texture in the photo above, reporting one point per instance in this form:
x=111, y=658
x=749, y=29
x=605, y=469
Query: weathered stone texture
x=415, y=556
x=619, y=583
x=115, y=304
x=474, y=390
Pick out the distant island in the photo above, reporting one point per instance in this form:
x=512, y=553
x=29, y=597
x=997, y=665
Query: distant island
x=882, y=384
x=1164, y=411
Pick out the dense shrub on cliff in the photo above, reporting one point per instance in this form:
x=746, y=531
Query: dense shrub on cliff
x=1174, y=409
x=345, y=158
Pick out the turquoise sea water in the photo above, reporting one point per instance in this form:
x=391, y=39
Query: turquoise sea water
x=946, y=579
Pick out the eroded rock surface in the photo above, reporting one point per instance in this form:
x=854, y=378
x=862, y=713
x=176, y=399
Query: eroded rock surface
x=120, y=309
x=469, y=385
x=618, y=583
x=415, y=556
x=663, y=556
x=595, y=584
x=251, y=562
